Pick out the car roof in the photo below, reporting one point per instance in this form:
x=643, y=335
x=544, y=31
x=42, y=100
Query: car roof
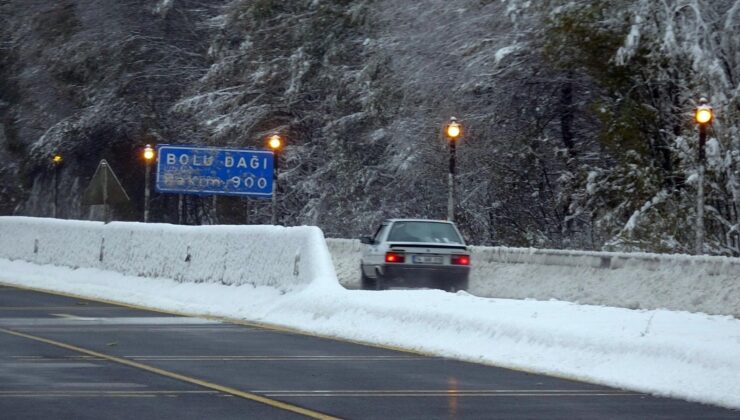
x=418, y=220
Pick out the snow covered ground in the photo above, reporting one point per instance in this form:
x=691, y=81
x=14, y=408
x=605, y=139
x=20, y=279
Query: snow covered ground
x=676, y=354
x=285, y=276
x=707, y=284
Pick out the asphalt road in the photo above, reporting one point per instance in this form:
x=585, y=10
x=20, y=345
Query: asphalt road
x=68, y=358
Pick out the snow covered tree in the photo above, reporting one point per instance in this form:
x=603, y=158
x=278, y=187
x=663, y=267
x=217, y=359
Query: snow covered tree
x=651, y=61
x=576, y=114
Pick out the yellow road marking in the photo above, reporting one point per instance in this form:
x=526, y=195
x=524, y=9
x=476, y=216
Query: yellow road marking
x=227, y=390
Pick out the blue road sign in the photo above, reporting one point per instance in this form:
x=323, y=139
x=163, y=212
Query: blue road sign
x=210, y=170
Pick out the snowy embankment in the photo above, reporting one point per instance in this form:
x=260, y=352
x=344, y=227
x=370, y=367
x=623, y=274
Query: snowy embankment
x=254, y=277
x=627, y=280
x=283, y=258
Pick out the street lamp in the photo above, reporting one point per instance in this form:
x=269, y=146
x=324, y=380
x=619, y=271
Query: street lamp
x=56, y=162
x=453, y=130
x=703, y=117
x=149, y=154
x=275, y=142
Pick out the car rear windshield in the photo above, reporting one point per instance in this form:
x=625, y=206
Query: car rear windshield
x=424, y=232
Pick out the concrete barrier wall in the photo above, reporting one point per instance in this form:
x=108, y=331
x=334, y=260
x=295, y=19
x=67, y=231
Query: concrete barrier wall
x=283, y=258
x=630, y=280
x=291, y=258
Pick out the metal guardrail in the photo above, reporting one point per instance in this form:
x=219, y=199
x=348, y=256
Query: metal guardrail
x=574, y=258
x=601, y=259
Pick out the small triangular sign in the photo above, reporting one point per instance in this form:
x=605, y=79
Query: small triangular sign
x=104, y=187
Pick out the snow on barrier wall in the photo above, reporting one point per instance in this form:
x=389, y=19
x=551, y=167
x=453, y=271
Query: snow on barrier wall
x=283, y=258
x=629, y=280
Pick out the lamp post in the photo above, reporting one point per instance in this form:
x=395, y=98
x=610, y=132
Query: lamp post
x=703, y=117
x=149, y=155
x=453, y=132
x=56, y=161
x=275, y=142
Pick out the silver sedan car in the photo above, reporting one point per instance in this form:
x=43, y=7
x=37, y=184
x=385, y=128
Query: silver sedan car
x=415, y=253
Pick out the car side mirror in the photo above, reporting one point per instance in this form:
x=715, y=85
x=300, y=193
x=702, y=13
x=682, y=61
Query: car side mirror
x=367, y=240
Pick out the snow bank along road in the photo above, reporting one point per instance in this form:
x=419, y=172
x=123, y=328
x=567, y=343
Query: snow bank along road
x=71, y=358
x=284, y=276
x=628, y=280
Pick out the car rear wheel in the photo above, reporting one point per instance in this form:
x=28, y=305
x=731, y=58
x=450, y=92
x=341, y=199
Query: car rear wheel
x=366, y=282
x=455, y=286
x=380, y=283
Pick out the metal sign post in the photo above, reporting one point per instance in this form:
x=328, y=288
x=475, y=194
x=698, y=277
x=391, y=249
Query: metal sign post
x=180, y=206
x=106, y=215
x=275, y=189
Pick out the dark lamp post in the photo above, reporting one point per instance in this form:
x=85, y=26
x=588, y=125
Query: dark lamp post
x=56, y=162
x=275, y=142
x=453, y=131
x=149, y=154
x=703, y=117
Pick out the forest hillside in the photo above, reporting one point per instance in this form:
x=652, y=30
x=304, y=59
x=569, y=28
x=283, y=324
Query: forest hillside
x=577, y=114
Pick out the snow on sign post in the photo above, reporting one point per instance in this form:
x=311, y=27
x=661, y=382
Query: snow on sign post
x=210, y=170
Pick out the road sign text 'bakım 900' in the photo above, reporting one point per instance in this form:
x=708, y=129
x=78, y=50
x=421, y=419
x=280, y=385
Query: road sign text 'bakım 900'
x=210, y=170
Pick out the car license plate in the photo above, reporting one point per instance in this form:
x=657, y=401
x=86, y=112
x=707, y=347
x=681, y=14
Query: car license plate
x=427, y=259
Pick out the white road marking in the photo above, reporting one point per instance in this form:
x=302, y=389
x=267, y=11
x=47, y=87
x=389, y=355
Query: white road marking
x=67, y=320
x=278, y=357
x=79, y=318
x=450, y=393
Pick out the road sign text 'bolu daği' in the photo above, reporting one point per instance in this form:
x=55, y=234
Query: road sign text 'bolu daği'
x=210, y=170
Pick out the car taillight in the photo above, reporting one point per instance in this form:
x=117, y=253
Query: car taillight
x=394, y=257
x=460, y=260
